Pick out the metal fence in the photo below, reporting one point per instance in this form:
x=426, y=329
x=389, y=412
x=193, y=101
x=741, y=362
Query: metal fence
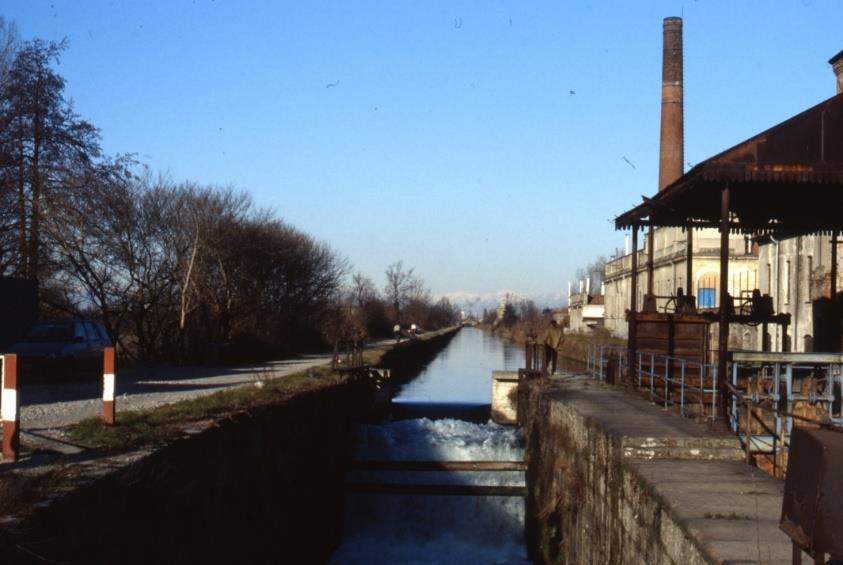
x=600, y=359
x=768, y=393
x=675, y=381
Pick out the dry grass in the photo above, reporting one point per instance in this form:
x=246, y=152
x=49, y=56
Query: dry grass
x=160, y=424
x=143, y=427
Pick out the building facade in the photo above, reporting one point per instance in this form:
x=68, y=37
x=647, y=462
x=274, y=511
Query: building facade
x=670, y=273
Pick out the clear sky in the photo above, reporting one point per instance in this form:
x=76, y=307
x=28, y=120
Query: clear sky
x=483, y=143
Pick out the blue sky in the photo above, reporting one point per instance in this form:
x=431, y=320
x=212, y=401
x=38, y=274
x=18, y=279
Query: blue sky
x=485, y=144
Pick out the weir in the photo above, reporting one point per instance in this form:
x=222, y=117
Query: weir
x=437, y=481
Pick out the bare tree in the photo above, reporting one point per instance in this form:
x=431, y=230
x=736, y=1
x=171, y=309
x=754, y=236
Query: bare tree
x=44, y=147
x=362, y=290
x=593, y=272
x=401, y=285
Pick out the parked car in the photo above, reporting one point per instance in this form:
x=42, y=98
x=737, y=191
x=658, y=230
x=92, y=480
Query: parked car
x=61, y=349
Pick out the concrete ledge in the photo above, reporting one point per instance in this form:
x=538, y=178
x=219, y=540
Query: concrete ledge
x=504, y=397
x=616, y=479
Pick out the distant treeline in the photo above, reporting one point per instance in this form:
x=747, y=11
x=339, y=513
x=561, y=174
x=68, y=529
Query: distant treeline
x=174, y=270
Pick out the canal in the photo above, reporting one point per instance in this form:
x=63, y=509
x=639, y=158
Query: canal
x=407, y=513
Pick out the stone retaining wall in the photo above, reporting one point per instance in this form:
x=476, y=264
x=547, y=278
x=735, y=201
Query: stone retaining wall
x=585, y=504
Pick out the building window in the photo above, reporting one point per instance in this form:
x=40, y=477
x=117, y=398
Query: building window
x=809, y=269
x=769, y=279
x=787, y=282
x=707, y=297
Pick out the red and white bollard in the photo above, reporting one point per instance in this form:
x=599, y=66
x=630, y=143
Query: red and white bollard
x=108, y=378
x=9, y=407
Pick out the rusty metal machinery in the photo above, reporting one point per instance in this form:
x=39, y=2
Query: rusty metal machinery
x=812, y=513
x=535, y=359
x=754, y=309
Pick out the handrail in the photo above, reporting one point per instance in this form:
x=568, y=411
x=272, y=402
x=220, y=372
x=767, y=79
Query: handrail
x=821, y=423
x=665, y=380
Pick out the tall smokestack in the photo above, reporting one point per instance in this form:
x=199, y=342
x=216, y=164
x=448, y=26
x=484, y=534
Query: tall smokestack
x=836, y=63
x=671, y=155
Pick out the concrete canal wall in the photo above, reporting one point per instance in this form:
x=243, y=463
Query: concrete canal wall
x=615, y=479
x=264, y=485
x=255, y=487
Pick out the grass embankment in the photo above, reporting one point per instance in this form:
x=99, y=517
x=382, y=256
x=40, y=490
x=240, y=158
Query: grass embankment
x=144, y=427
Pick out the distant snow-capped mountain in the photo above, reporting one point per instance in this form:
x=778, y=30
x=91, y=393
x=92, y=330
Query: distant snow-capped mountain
x=474, y=302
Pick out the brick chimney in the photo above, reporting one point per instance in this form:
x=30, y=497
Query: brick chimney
x=671, y=155
x=836, y=63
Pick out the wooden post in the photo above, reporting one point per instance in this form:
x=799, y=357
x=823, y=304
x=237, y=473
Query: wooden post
x=633, y=307
x=108, y=377
x=723, y=341
x=9, y=407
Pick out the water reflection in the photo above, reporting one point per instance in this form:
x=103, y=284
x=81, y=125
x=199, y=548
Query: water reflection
x=462, y=372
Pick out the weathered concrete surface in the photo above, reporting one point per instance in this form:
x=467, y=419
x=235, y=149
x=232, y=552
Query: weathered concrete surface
x=504, y=397
x=260, y=486
x=616, y=479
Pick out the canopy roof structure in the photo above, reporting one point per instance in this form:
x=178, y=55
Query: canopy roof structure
x=787, y=180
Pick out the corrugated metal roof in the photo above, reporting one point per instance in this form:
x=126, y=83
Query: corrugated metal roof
x=789, y=177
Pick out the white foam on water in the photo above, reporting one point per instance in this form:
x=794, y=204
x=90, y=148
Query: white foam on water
x=480, y=478
x=439, y=440
x=405, y=528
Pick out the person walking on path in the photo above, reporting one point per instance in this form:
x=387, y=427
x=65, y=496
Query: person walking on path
x=552, y=345
x=396, y=329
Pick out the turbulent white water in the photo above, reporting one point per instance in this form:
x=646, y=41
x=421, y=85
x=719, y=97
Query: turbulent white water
x=406, y=528
x=439, y=440
x=402, y=528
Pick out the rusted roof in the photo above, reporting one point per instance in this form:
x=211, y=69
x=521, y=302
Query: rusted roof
x=788, y=178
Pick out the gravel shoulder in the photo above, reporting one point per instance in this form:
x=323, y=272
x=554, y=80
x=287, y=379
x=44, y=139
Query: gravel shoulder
x=46, y=408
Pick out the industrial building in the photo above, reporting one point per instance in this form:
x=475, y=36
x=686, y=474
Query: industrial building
x=662, y=262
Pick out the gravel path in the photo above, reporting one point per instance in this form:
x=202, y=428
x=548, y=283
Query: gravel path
x=45, y=408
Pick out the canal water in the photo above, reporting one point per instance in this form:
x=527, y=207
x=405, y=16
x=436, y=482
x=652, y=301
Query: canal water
x=408, y=527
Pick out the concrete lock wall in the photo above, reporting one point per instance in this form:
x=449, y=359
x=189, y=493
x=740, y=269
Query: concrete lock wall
x=584, y=505
x=505, y=397
x=262, y=486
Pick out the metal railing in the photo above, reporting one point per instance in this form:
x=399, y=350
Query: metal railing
x=676, y=381
x=600, y=357
x=765, y=404
x=535, y=358
x=768, y=393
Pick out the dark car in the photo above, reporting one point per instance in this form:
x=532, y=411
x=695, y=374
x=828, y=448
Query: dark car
x=62, y=349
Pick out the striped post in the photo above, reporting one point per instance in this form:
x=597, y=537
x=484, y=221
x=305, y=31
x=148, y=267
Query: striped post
x=108, y=377
x=9, y=408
